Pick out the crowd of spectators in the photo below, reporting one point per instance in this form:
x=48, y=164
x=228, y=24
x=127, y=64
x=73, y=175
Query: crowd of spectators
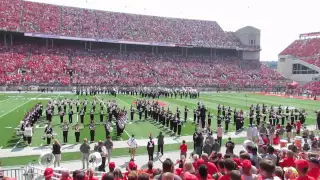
x=303, y=48
x=250, y=164
x=26, y=16
x=313, y=87
x=42, y=66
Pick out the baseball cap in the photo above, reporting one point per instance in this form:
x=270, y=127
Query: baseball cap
x=132, y=165
x=48, y=172
x=301, y=164
x=246, y=164
x=200, y=162
x=237, y=161
x=112, y=165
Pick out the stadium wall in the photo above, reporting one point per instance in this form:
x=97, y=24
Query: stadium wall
x=285, y=67
x=248, y=55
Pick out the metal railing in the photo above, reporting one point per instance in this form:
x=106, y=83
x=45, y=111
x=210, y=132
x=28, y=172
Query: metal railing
x=17, y=173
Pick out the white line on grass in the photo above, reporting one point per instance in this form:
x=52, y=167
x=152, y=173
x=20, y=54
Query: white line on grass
x=19, y=106
x=5, y=99
x=17, y=143
x=1, y=147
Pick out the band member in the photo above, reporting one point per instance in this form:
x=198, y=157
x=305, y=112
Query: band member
x=219, y=110
x=101, y=116
x=145, y=113
x=91, y=115
x=107, y=128
x=227, y=121
x=78, y=105
x=85, y=103
x=48, y=133
x=131, y=113
x=168, y=116
x=70, y=116
x=194, y=115
x=186, y=110
x=65, y=129
x=209, y=119
x=140, y=113
x=223, y=111
x=27, y=133
x=93, y=106
x=178, y=113
x=174, y=123
x=171, y=122
x=287, y=113
x=92, y=131
x=81, y=116
x=179, y=123
x=198, y=116
x=150, y=148
x=292, y=117
x=251, y=117
x=61, y=113
x=77, y=132
x=49, y=114
x=64, y=106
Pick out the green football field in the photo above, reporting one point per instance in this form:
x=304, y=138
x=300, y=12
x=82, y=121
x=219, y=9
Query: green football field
x=13, y=107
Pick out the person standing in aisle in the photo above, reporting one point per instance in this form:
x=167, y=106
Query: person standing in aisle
x=150, y=148
x=160, y=138
x=132, y=143
x=219, y=134
x=56, y=151
x=109, y=146
x=85, y=150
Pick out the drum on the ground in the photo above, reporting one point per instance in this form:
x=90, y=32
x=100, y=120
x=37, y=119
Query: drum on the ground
x=298, y=141
x=283, y=143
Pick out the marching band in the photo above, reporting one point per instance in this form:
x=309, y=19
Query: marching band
x=151, y=110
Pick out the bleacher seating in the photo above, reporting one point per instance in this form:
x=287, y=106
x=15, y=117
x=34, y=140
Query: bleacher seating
x=313, y=87
x=70, y=21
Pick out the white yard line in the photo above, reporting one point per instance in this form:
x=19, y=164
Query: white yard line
x=17, y=143
x=19, y=106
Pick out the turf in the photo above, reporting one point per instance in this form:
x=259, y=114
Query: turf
x=13, y=107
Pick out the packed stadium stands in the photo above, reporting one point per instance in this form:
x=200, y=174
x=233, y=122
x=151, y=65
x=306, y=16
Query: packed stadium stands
x=313, y=87
x=24, y=16
x=307, y=50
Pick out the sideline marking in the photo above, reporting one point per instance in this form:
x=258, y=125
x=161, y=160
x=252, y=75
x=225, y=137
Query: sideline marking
x=8, y=127
x=17, y=143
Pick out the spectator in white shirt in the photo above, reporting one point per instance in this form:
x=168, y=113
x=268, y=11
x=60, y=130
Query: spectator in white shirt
x=132, y=143
x=249, y=132
x=254, y=133
x=219, y=134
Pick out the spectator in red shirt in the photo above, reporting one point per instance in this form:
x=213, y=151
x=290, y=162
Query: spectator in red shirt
x=195, y=158
x=150, y=169
x=212, y=168
x=289, y=161
x=302, y=167
x=48, y=172
x=314, y=168
x=183, y=149
x=112, y=165
x=298, y=124
x=229, y=165
x=131, y=167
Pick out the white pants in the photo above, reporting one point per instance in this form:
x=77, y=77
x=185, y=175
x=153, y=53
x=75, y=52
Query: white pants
x=57, y=160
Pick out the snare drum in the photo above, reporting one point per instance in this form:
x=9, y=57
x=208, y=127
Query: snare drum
x=298, y=141
x=283, y=143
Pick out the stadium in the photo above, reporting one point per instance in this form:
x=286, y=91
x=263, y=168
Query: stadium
x=118, y=75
